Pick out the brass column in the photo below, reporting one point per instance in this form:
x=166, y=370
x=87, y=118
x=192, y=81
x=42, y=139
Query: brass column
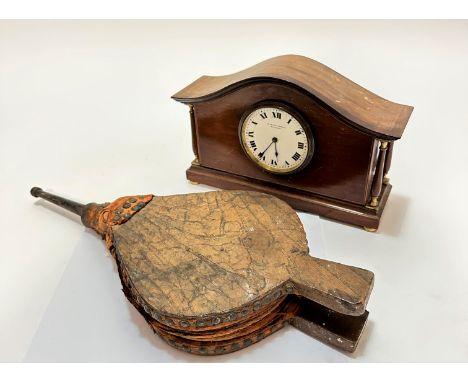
x=379, y=174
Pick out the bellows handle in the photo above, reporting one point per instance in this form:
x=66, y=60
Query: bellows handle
x=70, y=205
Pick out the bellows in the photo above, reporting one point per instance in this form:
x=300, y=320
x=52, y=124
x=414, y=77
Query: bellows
x=215, y=272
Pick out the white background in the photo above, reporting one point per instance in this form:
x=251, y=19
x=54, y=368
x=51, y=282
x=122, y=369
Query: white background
x=85, y=111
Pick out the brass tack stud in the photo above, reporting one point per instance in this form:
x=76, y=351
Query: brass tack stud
x=289, y=287
x=203, y=350
x=247, y=342
x=220, y=349
x=216, y=320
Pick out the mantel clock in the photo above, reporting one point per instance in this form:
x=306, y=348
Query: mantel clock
x=294, y=128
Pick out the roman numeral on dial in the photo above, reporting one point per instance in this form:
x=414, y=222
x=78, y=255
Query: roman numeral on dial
x=276, y=114
x=300, y=145
x=250, y=134
x=264, y=115
x=298, y=132
x=253, y=144
x=296, y=156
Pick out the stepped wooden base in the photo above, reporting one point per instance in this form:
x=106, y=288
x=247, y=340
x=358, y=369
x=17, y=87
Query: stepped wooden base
x=329, y=208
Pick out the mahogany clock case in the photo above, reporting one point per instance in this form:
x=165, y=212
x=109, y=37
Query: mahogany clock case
x=338, y=173
x=338, y=182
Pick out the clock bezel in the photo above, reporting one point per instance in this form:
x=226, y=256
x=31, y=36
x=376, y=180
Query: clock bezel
x=295, y=114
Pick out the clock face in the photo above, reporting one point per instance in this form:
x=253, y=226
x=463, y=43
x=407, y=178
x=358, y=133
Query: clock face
x=276, y=139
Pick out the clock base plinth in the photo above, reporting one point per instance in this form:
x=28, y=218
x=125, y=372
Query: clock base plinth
x=326, y=207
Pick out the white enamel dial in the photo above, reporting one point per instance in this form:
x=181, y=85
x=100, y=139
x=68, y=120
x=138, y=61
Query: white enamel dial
x=274, y=139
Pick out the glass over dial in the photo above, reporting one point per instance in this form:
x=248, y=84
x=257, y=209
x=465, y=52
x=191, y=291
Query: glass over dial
x=276, y=140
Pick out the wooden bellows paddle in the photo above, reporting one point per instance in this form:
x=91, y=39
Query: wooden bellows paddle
x=218, y=271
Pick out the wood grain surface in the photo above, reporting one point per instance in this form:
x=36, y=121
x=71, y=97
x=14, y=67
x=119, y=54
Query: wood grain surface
x=355, y=103
x=208, y=254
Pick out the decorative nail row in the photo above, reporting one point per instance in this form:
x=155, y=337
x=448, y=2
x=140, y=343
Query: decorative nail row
x=129, y=207
x=228, y=348
x=287, y=288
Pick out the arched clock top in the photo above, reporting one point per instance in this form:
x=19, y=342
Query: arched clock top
x=363, y=109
